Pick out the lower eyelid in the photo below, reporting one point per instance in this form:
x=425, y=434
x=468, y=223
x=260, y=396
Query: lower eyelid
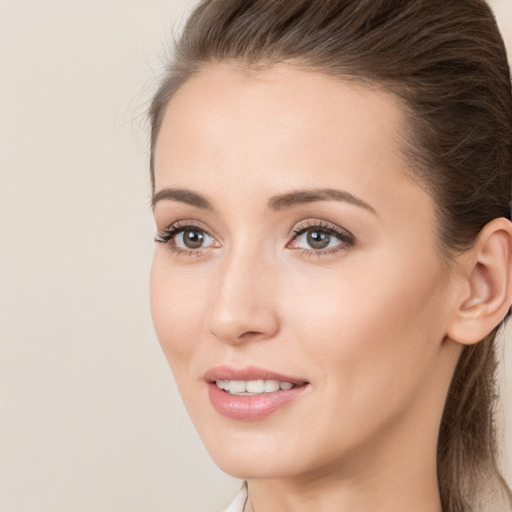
x=324, y=253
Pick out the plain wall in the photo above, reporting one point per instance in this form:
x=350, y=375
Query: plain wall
x=90, y=419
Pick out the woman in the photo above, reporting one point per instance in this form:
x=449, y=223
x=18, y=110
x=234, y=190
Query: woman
x=331, y=187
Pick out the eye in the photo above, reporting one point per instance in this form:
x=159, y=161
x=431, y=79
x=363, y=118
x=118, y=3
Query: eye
x=192, y=239
x=316, y=239
x=185, y=237
x=320, y=237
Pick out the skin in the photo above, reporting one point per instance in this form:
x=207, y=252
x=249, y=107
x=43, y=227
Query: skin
x=366, y=325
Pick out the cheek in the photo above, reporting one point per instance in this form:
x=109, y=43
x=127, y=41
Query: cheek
x=371, y=344
x=369, y=325
x=176, y=309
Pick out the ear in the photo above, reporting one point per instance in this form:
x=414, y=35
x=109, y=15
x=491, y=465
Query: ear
x=485, y=295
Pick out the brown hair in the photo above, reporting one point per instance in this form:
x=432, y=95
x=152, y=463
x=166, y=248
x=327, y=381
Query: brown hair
x=447, y=62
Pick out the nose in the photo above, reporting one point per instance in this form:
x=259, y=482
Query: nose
x=242, y=306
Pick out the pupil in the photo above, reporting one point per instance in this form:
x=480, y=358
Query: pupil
x=193, y=239
x=318, y=240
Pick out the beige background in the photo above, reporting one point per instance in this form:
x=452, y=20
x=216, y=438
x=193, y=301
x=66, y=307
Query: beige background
x=89, y=416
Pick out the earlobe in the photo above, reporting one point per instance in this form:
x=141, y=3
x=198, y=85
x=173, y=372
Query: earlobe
x=487, y=292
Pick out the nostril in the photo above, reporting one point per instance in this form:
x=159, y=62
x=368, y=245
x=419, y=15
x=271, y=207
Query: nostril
x=244, y=336
x=250, y=334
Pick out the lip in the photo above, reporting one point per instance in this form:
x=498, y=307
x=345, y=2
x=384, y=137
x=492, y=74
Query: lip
x=255, y=407
x=248, y=373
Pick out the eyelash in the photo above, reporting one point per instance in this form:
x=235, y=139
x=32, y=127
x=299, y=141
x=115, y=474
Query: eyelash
x=347, y=240
x=170, y=233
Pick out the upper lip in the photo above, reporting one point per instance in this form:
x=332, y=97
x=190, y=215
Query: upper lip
x=248, y=373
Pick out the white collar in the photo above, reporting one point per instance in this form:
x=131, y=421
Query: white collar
x=237, y=505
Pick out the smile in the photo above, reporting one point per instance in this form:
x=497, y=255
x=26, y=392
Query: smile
x=253, y=387
x=251, y=393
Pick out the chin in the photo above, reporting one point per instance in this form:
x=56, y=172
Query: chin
x=257, y=466
x=260, y=454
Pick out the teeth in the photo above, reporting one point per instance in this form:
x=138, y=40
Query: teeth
x=237, y=386
x=252, y=387
x=223, y=384
x=271, y=386
x=255, y=386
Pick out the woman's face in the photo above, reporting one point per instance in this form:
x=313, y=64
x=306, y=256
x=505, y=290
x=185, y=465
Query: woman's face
x=297, y=251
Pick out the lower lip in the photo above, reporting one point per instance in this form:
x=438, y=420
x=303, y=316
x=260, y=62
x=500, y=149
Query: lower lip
x=251, y=408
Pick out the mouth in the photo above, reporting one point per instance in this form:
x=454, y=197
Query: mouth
x=251, y=393
x=254, y=387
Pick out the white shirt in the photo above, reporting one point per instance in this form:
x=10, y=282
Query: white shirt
x=237, y=505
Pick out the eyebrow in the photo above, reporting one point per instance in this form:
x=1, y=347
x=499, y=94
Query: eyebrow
x=309, y=196
x=183, y=196
x=276, y=203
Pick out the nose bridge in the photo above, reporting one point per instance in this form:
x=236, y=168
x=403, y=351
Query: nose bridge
x=242, y=303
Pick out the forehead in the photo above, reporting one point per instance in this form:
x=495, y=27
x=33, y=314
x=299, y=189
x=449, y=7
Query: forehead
x=278, y=107
x=233, y=129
